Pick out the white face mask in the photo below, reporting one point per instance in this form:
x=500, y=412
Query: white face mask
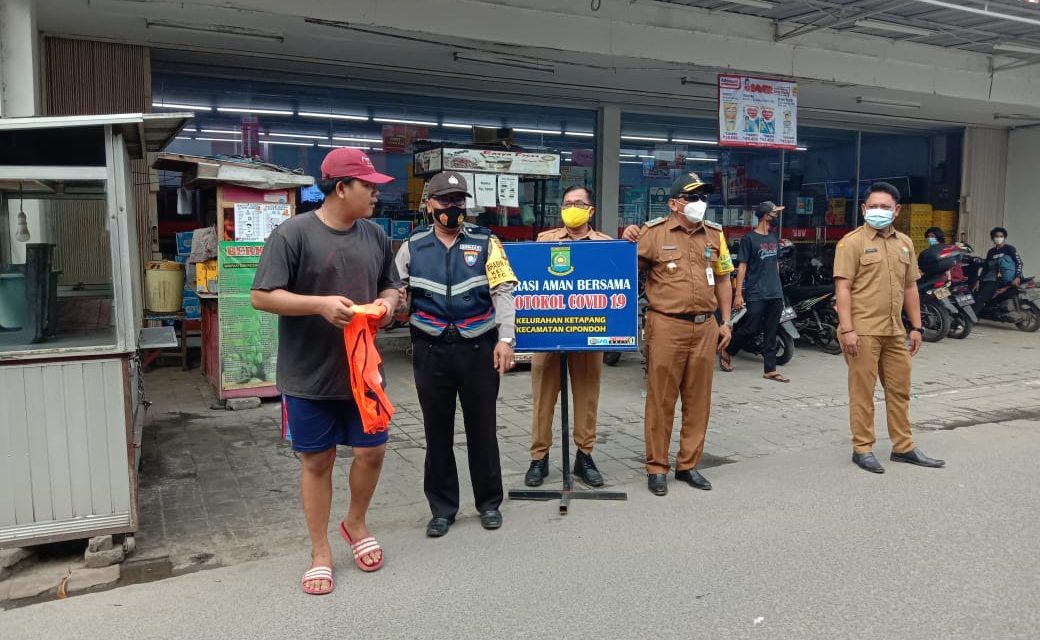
x=878, y=218
x=694, y=211
x=999, y=240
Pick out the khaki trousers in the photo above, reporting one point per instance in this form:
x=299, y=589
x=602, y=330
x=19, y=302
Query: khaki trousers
x=680, y=362
x=885, y=357
x=583, y=370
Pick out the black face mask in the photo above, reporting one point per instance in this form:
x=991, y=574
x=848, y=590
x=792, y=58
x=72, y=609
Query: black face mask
x=451, y=218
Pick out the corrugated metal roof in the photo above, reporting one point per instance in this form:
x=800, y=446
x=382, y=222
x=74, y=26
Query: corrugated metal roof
x=982, y=27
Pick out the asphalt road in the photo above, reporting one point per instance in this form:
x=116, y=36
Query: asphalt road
x=795, y=545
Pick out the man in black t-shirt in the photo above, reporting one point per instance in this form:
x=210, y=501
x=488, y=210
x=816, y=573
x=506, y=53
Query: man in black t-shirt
x=315, y=267
x=764, y=296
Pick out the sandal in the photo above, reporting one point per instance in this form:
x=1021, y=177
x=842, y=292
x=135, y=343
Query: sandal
x=725, y=362
x=776, y=376
x=363, y=547
x=317, y=574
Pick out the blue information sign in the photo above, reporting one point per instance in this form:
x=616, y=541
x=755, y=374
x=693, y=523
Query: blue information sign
x=575, y=296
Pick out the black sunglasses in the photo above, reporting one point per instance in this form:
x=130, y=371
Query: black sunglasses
x=692, y=197
x=450, y=199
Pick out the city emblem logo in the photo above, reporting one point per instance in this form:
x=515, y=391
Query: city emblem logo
x=471, y=257
x=560, y=261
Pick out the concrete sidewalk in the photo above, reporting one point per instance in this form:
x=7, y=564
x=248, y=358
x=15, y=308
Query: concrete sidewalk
x=793, y=545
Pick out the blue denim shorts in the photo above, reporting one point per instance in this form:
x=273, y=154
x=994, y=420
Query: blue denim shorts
x=319, y=425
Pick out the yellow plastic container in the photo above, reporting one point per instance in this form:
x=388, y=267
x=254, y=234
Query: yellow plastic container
x=164, y=284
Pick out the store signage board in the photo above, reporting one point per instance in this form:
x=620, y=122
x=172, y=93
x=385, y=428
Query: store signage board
x=486, y=161
x=575, y=296
x=757, y=112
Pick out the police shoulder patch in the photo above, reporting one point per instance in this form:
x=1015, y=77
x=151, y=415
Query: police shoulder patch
x=713, y=225
x=655, y=221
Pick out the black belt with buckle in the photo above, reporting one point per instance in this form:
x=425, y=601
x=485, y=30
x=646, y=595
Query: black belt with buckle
x=695, y=318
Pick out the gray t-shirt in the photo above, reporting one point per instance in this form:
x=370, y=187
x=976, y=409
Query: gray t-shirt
x=763, y=271
x=306, y=257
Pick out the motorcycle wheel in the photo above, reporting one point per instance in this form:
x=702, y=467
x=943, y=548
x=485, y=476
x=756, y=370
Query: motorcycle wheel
x=1033, y=323
x=784, y=348
x=828, y=339
x=935, y=319
x=611, y=358
x=960, y=327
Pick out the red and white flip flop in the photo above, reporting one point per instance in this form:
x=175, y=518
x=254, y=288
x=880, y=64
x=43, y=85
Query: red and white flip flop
x=363, y=547
x=316, y=574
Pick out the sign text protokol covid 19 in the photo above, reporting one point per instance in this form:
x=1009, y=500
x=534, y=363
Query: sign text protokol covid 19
x=757, y=112
x=575, y=296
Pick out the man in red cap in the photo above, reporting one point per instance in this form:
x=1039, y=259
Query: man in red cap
x=315, y=267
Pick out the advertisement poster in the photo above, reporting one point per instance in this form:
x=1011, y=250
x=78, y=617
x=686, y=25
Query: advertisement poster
x=486, y=160
x=484, y=190
x=398, y=138
x=509, y=191
x=272, y=215
x=575, y=296
x=248, y=338
x=248, y=225
x=757, y=112
x=805, y=206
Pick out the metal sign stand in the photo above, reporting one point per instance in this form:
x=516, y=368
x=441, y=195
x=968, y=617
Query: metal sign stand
x=566, y=494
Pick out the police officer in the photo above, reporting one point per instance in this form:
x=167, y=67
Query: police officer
x=584, y=367
x=688, y=265
x=876, y=280
x=462, y=324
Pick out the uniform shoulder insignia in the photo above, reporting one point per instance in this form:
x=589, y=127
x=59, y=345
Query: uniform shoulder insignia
x=655, y=221
x=713, y=225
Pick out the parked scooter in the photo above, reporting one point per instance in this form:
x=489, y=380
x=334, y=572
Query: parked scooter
x=1010, y=304
x=785, y=337
x=962, y=323
x=937, y=307
x=816, y=317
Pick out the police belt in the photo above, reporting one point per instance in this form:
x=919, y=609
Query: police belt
x=695, y=318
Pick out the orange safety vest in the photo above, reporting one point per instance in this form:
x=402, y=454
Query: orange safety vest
x=366, y=383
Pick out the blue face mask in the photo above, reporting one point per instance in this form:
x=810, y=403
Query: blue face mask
x=878, y=218
x=932, y=241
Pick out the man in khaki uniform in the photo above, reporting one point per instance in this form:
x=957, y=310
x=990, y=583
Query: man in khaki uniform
x=688, y=265
x=584, y=367
x=876, y=280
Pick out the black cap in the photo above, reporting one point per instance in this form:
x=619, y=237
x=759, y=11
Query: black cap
x=447, y=182
x=767, y=207
x=689, y=183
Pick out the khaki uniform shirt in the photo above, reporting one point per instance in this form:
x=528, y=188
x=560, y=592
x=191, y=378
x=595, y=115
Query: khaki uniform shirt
x=552, y=235
x=880, y=265
x=677, y=261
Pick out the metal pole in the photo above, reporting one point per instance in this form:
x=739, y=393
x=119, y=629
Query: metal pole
x=780, y=195
x=855, y=187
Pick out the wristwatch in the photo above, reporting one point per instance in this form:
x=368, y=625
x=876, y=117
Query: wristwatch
x=919, y=330
x=510, y=341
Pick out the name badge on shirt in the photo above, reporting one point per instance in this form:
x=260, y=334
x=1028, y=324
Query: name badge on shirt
x=870, y=250
x=711, y=277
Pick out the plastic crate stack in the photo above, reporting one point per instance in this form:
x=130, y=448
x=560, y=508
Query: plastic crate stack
x=920, y=219
x=947, y=221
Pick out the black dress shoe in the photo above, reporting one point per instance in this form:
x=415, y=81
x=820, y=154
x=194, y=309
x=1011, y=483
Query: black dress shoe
x=439, y=526
x=586, y=469
x=657, y=483
x=868, y=462
x=694, y=479
x=916, y=456
x=491, y=519
x=538, y=471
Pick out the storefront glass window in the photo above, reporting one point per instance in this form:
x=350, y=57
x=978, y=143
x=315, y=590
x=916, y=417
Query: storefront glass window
x=295, y=126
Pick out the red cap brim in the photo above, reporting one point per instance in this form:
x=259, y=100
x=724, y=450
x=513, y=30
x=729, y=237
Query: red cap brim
x=376, y=178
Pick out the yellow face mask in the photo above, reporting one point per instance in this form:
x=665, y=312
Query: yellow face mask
x=575, y=217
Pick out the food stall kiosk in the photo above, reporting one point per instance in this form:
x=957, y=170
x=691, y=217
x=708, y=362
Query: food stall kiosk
x=71, y=403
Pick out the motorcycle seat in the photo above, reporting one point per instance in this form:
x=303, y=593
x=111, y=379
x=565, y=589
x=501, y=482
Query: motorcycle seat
x=804, y=292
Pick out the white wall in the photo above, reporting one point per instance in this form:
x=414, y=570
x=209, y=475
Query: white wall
x=1022, y=196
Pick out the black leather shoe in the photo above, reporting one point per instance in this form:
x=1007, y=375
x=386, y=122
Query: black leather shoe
x=538, y=471
x=491, y=519
x=439, y=526
x=694, y=479
x=916, y=456
x=586, y=469
x=868, y=462
x=657, y=483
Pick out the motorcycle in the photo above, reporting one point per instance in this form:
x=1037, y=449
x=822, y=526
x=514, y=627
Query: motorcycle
x=784, y=338
x=1010, y=304
x=962, y=323
x=937, y=308
x=816, y=318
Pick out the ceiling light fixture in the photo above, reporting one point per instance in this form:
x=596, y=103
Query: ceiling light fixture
x=175, y=105
x=459, y=125
x=801, y=148
x=332, y=116
x=504, y=61
x=702, y=159
x=1017, y=48
x=231, y=131
x=881, y=25
x=424, y=123
x=885, y=102
x=580, y=134
x=219, y=140
x=288, y=143
x=217, y=29
x=299, y=135
x=356, y=139
x=268, y=112
x=630, y=162
x=1015, y=116
x=548, y=132
x=644, y=138
x=688, y=141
